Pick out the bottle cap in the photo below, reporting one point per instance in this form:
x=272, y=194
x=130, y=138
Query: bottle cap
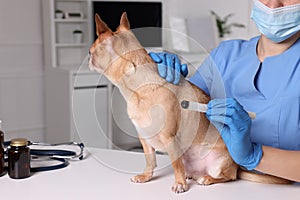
x=17, y=142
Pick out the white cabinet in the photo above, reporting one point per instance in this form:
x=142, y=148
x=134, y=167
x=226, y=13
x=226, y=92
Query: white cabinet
x=77, y=107
x=90, y=112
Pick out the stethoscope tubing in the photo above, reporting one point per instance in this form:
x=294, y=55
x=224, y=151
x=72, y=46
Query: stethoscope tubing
x=61, y=156
x=54, y=153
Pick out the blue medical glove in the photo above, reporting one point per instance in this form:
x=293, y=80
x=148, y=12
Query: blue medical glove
x=234, y=123
x=169, y=66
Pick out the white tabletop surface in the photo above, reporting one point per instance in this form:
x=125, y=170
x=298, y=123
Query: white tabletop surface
x=105, y=174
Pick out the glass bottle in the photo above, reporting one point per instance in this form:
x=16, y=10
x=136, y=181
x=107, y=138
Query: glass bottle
x=18, y=159
x=2, y=169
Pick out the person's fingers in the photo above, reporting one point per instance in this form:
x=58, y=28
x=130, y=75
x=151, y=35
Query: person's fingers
x=184, y=70
x=170, y=67
x=176, y=71
x=155, y=57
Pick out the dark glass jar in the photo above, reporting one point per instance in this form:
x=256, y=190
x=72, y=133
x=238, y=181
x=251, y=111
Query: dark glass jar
x=18, y=159
x=2, y=169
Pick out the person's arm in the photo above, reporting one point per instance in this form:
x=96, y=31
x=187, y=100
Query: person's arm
x=281, y=163
x=234, y=124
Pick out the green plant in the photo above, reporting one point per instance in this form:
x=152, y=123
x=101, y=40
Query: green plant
x=223, y=26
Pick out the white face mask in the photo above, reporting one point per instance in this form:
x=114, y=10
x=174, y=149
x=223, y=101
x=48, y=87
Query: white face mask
x=277, y=24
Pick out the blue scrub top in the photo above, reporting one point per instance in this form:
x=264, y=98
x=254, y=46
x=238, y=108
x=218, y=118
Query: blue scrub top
x=271, y=89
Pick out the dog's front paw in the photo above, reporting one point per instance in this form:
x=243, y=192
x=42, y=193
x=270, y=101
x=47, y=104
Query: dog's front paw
x=142, y=178
x=179, y=187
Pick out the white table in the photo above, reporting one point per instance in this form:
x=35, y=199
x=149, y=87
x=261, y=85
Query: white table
x=105, y=174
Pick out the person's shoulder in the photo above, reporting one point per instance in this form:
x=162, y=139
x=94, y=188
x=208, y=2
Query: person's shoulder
x=230, y=50
x=234, y=47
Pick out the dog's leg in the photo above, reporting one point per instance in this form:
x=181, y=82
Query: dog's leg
x=219, y=172
x=150, y=163
x=208, y=180
x=175, y=154
x=180, y=184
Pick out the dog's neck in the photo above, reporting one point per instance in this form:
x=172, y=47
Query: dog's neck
x=141, y=74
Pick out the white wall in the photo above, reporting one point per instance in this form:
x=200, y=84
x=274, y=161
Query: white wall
x=21, y=69
x=202, y=8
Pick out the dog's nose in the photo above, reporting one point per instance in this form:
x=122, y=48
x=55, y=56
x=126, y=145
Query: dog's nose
x=89, y=56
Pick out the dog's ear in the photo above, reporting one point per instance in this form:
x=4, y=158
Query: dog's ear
x=124, y=23
x=101, y=26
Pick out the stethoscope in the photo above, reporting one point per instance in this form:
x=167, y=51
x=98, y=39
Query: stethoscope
x=59, y=155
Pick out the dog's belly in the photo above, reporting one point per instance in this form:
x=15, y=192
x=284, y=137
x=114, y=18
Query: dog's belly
x=199, y=164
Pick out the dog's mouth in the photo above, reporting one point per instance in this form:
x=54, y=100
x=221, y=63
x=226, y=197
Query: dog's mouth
x=92, y=65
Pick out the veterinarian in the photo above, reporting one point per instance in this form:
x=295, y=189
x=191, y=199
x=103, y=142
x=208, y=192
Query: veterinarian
x=260, y=75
